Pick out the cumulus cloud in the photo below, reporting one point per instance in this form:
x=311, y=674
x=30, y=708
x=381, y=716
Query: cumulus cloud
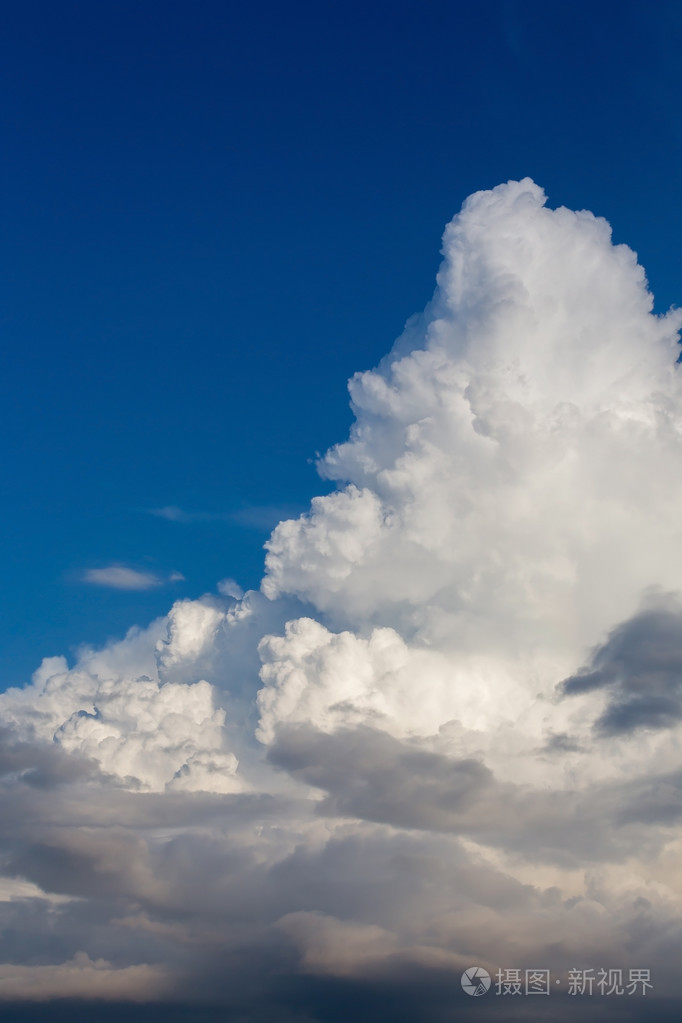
x=147, y=735
x=498, y=470
x=446, y=731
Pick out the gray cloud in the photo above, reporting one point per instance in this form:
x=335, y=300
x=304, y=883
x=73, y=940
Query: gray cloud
x=223, y=892
x=40, y=765
x=640, y=667
x=374, y=777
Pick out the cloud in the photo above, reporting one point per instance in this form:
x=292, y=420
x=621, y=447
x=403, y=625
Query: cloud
x=172, y=513
x=327, y=798
x=230, y=588
x=83, y=978
x=368, y=775
x=118, y=577
x=640, y=667
x=496, y=472
x=260, y=517
x=264, y=517
x=147, y=735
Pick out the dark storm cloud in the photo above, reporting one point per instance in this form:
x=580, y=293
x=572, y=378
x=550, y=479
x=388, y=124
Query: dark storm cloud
x=251, y=940
x=405, y=996
x=640, y=667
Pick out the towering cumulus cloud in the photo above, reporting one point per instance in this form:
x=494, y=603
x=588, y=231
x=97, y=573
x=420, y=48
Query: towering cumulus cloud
x=445, y=733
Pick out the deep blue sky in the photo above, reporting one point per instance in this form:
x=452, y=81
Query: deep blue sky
x=215, y=212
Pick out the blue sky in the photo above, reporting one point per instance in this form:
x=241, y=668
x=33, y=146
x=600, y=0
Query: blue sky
x=214, y=214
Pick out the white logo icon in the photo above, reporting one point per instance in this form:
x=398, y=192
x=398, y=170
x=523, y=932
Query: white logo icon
x=476, y=980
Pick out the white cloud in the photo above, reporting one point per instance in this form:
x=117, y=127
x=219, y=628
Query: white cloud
x=113, y=708
x=118, y=577
x=512, y=484
x=13, y=888
x=230, y=588
x=312, y=675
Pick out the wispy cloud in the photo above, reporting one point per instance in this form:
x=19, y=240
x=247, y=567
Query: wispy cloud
x=261, y=517
x=172, y=513
x=120, y=577
x=266, y=516
x=230, y=588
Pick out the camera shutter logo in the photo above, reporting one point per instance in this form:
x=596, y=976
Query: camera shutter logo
x=476, y=981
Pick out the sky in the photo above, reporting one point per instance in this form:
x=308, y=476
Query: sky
x=341, y=616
